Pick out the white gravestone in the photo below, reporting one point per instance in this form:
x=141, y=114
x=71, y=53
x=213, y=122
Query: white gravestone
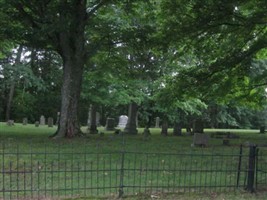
x=122, y=121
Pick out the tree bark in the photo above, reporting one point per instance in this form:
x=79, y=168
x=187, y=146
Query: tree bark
x=12, y=86
x=177, y=129
x=164, y=128
x=198, y=126
x=69, y=123
x=72, y=50
x=93, y=125
x=131, y=127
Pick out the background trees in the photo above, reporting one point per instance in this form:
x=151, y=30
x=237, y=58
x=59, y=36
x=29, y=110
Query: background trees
x=179, y=59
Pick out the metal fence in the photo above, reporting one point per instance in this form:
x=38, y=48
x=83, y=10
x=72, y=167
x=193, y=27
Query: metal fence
x=261, y=169
x=70, y=172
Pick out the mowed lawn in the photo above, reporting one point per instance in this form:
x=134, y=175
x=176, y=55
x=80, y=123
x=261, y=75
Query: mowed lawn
x=35, y=141
x=29, y=134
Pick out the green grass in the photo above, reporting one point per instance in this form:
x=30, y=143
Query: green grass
x=37, y=163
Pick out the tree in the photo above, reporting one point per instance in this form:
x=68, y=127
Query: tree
x=12, y=85
x=20, y=83
x=223, y=37
x=61, y=26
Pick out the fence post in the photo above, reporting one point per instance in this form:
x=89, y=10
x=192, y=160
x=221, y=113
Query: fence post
x=121, y=175
x=251, y=168
x=257, y=161
x=122, y=167
x=239, y=165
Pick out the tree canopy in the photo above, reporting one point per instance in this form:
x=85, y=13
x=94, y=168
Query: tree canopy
x=172, y=57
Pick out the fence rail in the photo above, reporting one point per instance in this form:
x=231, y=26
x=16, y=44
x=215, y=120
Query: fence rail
x=28, y=174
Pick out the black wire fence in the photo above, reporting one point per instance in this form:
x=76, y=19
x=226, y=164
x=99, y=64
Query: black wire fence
x=61, y=172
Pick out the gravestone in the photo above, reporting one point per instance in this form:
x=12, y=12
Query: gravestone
x=42, y=120
x=110, y=124
x=146, y=134
x=50, y=122
x=37, y=124
x=122, y=121
x=157, y=122
x=200, y=139
x=10, y=123
x=25, y=121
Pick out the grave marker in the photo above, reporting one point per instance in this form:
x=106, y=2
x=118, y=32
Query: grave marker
x=50, y=122
x=25, y=121
x=110, y=124
x=123, y=119
x=42, y=120
x=10, y=123
x=200, y=139
x=37, y=124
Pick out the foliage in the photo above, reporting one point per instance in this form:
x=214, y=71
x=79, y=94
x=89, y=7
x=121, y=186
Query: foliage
x=37, y=79
x=174, y=58
x=222, y=39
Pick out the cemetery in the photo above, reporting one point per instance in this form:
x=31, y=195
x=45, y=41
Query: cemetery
x=155, y=99
x=119, y=165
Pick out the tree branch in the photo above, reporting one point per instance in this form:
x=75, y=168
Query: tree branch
x=28, y=17
x=259, y=85
x=91, y=11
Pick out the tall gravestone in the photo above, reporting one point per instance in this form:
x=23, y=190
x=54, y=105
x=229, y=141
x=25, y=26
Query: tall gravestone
x=110, y=124
x=157, y=122
x=50, y=122
x=123, y=119
x=42, y=120
x=131, y=127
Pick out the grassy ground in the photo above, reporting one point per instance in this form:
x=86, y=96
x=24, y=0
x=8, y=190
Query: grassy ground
x=19, y=140
x=40, y=135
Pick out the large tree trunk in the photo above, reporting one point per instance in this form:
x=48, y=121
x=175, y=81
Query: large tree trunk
x=69, y=123
x=12, y=86
x=72, y=51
